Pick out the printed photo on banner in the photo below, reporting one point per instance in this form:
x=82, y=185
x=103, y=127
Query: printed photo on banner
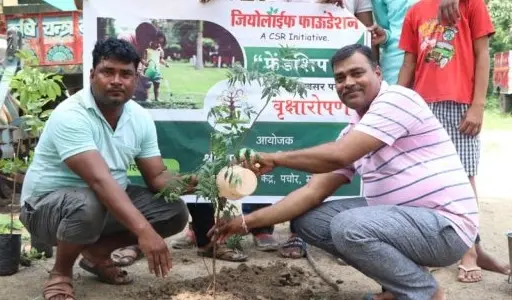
x=175, y=73
x=187, y=50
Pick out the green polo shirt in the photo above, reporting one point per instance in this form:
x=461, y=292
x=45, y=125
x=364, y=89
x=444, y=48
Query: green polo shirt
x=76, y=126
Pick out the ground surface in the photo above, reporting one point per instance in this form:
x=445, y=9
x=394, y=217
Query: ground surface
x=296, y=280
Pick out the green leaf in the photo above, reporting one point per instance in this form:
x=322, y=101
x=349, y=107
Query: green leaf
x=248, y=155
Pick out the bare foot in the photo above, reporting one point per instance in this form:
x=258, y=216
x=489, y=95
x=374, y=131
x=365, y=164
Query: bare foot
x=469, y=271
x=439, y=295
x=489, y=263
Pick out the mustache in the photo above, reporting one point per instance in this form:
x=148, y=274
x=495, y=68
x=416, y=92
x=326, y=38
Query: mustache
x=351, y=90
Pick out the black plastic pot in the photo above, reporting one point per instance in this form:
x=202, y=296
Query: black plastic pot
x=10, y=252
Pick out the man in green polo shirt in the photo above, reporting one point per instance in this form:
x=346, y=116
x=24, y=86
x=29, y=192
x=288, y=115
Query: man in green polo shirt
x=76, y=194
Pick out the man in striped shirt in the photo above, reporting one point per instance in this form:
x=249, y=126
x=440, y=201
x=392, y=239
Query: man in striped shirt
x=419, y=208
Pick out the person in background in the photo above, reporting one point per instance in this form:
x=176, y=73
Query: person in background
x=389, y=19
x=447, y=62
x=152, y=58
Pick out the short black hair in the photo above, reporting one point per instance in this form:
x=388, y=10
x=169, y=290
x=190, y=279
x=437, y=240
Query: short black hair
x=350, y=50
x=113, y=48
x=161, y=35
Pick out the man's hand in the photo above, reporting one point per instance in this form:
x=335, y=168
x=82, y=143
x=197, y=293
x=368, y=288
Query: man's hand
x=155, y=249
x=223, y=230
x=378, y=34
x=448, y=12
x=258, y=162
x=472, y=121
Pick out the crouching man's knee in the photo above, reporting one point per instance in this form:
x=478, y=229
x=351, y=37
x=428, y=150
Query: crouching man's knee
x=83, y=218
x=72, y=215
x=172, y=220
x=310, y=230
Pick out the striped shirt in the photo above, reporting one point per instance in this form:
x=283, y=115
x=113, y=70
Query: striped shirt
x=418, y=165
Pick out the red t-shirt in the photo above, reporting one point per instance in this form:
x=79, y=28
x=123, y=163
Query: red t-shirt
x=445, y=62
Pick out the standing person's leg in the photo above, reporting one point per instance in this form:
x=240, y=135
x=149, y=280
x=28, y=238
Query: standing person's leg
x=202, y=221
x=389, y=244
x=156, y=89
x=262, y=237
x=450, y=115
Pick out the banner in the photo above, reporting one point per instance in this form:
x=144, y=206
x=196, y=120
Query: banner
x=55, y=38
x=180, y=81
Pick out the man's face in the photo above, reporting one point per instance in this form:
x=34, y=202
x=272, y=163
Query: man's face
x=357, y=82
x=113, y=82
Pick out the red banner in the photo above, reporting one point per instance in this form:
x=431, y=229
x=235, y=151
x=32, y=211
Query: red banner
x=55, y=38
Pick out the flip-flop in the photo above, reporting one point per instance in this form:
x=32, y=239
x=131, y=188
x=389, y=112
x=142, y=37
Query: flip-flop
x=265, y=242
x=293, y=242
x=106, y=271
x=223, y=253
x=466, y=271
x=122, y=259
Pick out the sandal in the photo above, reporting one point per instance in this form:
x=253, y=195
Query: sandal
x=294, y=247
x=58, y=285
x=464, y=272
x=265, y=242
x=223, y=253
x=126, y=256
x=106, y=271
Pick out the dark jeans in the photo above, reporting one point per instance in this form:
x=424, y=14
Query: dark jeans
x=202, y=221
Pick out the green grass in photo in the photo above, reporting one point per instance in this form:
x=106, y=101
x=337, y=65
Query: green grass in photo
x=184, y=87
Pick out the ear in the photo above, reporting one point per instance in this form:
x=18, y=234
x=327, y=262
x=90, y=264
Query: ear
x=378, y=71
x=91, y=74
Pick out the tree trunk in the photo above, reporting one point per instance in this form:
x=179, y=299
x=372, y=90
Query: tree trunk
x=199, y=47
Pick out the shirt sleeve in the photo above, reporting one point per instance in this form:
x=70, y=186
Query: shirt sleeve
x=149, y=146
x=363, y=6
x=70, y=133
x=390, y=117
x=409, y=36
x=479, y=20
x=348, y=171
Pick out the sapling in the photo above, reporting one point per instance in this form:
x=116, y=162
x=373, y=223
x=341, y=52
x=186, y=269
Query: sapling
x=228, y=136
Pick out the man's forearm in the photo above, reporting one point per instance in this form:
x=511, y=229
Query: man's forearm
x=163, y=179
x=117, y=202
x=295, y=204
x=320, y=159
x=482, y=67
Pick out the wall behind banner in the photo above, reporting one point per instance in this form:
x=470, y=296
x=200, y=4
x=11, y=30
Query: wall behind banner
x=180, y=82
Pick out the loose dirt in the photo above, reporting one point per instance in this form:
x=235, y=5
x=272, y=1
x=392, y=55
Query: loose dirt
x=277, y=281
